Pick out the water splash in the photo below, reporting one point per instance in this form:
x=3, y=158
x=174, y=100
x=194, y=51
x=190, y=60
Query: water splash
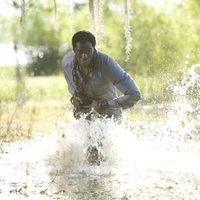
x=188, y=86
x=141, y=160
x=184, y=112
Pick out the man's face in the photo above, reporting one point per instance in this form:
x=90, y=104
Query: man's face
x=84, y=53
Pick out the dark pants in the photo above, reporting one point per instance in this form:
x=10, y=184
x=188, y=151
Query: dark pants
x=89, y=114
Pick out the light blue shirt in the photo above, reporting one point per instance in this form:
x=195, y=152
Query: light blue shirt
x=103, y=81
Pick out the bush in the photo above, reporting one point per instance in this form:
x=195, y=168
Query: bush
x=45, y=61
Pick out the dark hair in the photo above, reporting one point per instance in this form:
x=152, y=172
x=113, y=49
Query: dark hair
x=83, y=36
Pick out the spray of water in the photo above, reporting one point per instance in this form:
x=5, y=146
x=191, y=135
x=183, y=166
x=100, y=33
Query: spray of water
x=184, y=111
x=139, y=160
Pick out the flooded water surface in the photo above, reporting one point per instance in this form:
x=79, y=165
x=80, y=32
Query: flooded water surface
x=152, y=159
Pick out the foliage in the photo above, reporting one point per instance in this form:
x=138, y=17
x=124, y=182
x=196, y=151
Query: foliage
x=163, y=41
x=45, y=39
x=37, y=88
x=42, y=41
x=43, y=62
x=5, y=34
x=194, y=14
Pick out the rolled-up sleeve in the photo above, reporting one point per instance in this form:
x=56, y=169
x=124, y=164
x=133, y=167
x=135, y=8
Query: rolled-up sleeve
x=124, y=84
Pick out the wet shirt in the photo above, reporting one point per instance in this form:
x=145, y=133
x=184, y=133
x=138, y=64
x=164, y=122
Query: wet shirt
x=102, y=82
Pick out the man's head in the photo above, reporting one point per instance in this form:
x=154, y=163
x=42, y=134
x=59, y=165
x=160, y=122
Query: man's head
x=83, y=43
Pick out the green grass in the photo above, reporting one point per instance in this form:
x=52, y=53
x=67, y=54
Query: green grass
x=6, y=72
x=32, y=118
x=43, y=101
x=55, y=87
x=35, y=88
x=47, y=87
x=153, y=88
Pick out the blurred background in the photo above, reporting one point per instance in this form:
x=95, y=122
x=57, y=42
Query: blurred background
x=154, y=40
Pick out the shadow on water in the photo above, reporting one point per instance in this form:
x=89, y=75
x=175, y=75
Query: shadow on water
x=158, y=159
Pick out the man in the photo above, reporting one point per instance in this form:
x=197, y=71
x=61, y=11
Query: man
x=92, y=79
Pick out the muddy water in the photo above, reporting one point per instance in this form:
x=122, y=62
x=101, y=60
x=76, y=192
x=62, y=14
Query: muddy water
x=138, y=163
x=155, y=159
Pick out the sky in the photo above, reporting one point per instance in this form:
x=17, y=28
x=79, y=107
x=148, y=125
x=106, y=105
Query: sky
x=5, y=9
x=9, y=56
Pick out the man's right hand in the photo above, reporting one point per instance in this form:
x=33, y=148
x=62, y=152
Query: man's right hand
x=76, y=101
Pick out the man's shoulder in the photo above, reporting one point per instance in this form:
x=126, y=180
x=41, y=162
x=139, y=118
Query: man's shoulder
x=68, y=59
x=106, y=60
x=103, y=56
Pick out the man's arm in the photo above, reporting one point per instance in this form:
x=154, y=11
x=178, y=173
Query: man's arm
x=124, y=84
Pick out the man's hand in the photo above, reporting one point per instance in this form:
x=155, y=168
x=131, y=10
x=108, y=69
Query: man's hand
x=100, y=104
x=76, y=101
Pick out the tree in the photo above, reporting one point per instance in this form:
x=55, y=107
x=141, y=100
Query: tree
x=160, y=41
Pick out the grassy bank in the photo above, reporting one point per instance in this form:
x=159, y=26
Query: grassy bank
x=34, y=108
x=153, y=89
x=42, y=102
x=32, y=117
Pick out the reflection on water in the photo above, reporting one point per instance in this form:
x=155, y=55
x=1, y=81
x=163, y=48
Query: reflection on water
x=141, y=160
